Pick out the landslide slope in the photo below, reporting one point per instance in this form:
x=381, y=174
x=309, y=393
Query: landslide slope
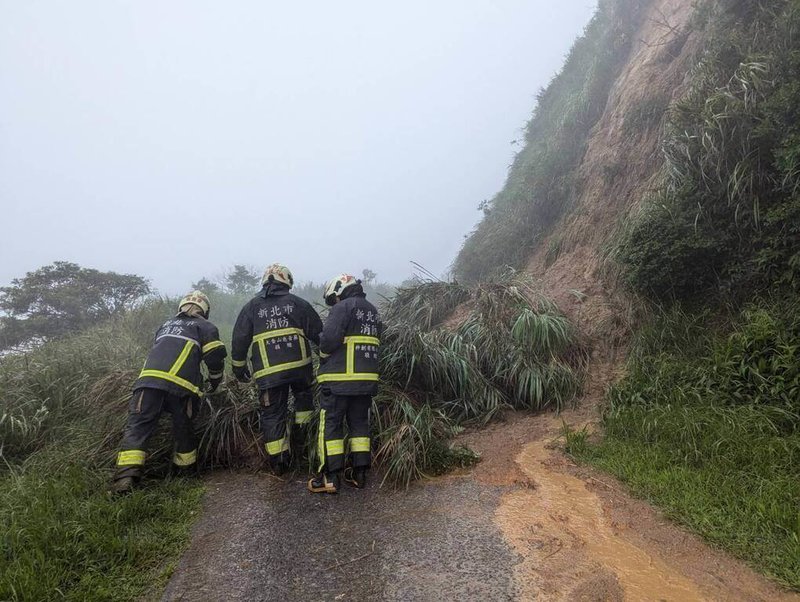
x=592, y=154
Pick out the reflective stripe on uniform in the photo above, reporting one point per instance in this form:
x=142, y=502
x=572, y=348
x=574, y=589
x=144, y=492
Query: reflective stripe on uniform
x=239, y=363
x=171, y=378
x=179, y=336
x=186, y=459
x=176, y=367
x=215, y=374
x=321, y=440
x=259, y=342
x=338, y=377
x=359, y=444
x=334, y=447
x=281, y=367
x=274, y=448
x=350, y=373
x=131, y=457
x=271, y=334
x=212, y=345
x=303, y=416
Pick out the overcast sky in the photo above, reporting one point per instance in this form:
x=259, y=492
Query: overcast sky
x=173, y=139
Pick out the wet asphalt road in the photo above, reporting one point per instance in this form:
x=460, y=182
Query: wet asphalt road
x=263, y=539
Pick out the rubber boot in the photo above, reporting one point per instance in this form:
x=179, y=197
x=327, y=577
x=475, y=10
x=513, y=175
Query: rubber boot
x=356, y=477
x=299, y=440
x=184, y=472
x=122, y=486
x=279, y=468
x=324, y=483
x=125, y=479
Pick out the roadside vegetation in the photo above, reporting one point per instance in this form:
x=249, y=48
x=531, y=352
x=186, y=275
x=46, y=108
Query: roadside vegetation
x=63, y=405
x=705, y=425
x=62, y=408
x=707, y=421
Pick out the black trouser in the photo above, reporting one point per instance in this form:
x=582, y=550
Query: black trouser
x=273, y=412
x=144, y=410
x=334, y=410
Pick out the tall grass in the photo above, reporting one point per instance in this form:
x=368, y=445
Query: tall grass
x=506, y=347
x=62, y=408
x=510, y=349
x=63, y=538
x=726, y=219
x=707, y=424
x=64, y=404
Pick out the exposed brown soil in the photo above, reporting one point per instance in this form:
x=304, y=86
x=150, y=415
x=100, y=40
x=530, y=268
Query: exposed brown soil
x=581, y=536
x=619, y=170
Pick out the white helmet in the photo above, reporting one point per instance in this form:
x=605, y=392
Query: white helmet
x=197, y=298
x=278, y=273
x=336, y=285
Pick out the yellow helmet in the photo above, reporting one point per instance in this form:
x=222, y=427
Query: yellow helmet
x=336, y=285
x=197, y=298
x=278, y=273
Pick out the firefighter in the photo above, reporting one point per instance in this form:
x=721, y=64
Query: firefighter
x=171, y=382
x=276, y=327
x=348, y=377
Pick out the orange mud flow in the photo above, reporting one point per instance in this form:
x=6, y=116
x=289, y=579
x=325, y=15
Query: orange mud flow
x=562, y=534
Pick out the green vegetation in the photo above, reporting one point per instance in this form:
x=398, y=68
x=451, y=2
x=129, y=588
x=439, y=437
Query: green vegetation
x=61, y=298
x=62, y=411
x=727, y=217
x=707, y=421
x=510, y=349
x=541, y=182
x=706, y=426
x=63, y=406
x=63, y=538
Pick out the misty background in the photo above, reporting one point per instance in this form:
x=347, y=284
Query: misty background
x=172, y=140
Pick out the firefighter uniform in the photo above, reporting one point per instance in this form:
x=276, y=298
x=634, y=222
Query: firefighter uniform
x=348, y=377
x=276, y=327
x=170, y=382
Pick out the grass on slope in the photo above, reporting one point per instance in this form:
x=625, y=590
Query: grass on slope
x=63, y=538
x=707, y=425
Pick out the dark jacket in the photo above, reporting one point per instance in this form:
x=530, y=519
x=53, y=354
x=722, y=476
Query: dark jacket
x=349, y=346
x=276, y=326
x=173, y=364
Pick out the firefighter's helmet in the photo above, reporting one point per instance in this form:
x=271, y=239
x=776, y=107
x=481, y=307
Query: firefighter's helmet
x=197, y=298
x=336, y=286
x=278, y=273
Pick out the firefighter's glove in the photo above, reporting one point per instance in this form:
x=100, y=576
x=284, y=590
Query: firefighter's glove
x=242, y=374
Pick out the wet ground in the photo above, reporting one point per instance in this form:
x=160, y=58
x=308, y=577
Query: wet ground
x=275, y=541
x=525, y=524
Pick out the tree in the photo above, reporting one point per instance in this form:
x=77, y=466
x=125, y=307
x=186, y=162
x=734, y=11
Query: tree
x=63, y=297
x=368, y=276
x=205, y=285
x=241, y=279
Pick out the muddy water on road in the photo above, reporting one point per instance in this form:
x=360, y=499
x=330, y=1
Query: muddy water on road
x=561, y=523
